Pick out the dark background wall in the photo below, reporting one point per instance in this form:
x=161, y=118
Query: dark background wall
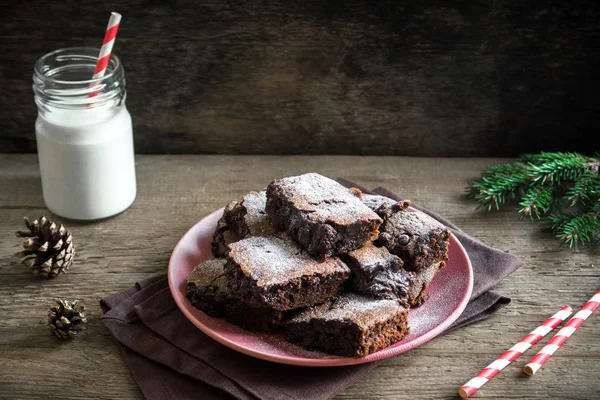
x=468, y=78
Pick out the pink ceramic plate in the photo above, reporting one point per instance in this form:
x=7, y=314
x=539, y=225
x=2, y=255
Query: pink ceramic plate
x=449, y=293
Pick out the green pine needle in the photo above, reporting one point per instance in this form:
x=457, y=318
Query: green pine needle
x=537, y=201
x=548, y=186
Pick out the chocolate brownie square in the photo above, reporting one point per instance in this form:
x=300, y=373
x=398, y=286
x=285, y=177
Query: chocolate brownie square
x=413, y=236
x=242, y=218
x=274, y=272
x=352, y=326
x=321, y=215
x=207, y=287
x=378, y=273
x=207, y=291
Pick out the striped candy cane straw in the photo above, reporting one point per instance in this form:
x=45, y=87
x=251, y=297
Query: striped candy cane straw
x=107, y=46
x=561, y=337
x=510, y=355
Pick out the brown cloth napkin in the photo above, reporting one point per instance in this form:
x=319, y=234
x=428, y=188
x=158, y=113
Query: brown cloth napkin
x=169, y=358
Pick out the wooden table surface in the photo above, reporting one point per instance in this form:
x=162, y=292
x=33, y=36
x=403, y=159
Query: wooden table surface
x=176, y=191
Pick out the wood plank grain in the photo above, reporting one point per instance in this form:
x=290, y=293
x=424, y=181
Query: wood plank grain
x=328, y=77
x=176, y=191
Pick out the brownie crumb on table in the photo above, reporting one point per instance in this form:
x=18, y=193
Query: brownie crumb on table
x=413, y=236
x=324, y=217
x=274, y=272
x=242, y=218
x=352, y=325
x=207, y=290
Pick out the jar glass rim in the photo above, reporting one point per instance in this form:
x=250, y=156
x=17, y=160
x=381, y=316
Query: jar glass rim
x=72, y=51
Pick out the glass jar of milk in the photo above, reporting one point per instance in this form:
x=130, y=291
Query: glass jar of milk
x=84, y=135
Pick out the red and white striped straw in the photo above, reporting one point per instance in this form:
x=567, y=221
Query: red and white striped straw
x=561, y=337
x=107, y=46
x=510, y=355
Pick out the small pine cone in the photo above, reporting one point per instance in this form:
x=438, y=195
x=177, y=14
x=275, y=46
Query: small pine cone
x=66, y=319
x=48, y=250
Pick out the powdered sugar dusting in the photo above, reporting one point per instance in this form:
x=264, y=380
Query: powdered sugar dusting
x=325, y=197
x=255, y=202
x=351, y=307
x=257, y=220
x=374, y=201
x=369, y=254
x=272, y=260
x=416, y=223
x=352, y=303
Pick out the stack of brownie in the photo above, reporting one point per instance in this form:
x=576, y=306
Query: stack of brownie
x=334, y=269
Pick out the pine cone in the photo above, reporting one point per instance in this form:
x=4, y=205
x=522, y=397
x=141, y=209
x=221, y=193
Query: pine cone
x=66, y=320
x=48, y=250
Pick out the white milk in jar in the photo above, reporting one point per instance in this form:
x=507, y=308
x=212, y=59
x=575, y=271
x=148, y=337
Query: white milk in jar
x=85, y=143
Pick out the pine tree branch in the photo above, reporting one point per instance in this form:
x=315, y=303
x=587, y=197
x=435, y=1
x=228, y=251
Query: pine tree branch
x=562, y=189
x=499, y=184
x=575, y=229
x=549, y=169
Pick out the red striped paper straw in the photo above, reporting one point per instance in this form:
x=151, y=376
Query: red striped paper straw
x=107, y=46
x=561, y=337
x=510, y=355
